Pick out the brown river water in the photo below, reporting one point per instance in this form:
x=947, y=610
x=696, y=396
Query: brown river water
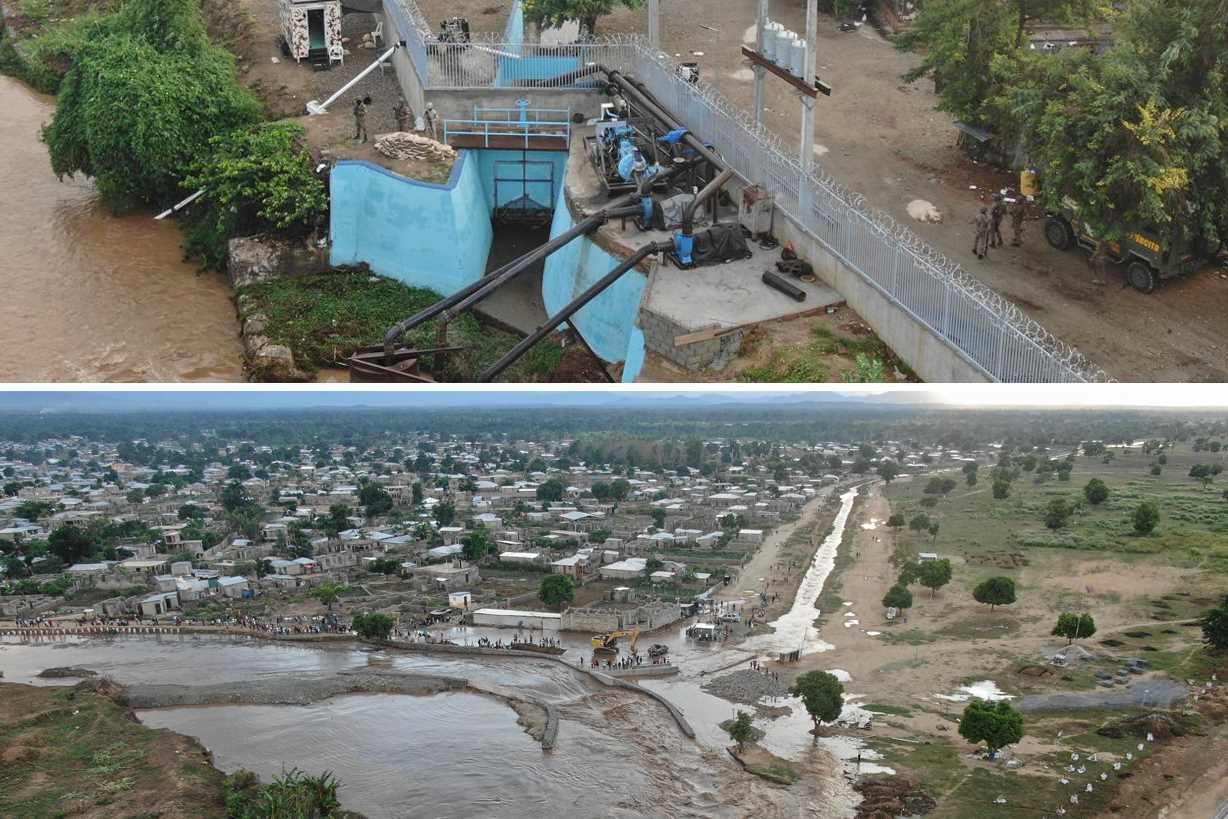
x=88, y=296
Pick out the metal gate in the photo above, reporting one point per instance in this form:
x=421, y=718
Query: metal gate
x=525, y=191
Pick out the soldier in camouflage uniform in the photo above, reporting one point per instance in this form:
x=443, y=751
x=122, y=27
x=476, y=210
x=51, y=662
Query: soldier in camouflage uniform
x=360, y=120
x=995, y=220
x=980, y=245
x=1018, y=212
x=404, y=116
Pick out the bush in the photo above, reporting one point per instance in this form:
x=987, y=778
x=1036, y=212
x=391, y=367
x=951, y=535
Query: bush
x=996, y=724
x=293, y=794
x=373, y=626
x=1146, y=517
x=172, y=103
x=255, y=179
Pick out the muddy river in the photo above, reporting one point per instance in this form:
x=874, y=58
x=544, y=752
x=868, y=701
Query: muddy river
x=89, y=296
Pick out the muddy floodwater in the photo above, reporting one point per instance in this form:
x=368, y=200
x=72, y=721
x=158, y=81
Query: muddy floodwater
x=88, y=296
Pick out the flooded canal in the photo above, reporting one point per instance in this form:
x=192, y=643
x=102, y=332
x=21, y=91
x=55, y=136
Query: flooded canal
x=89, y=296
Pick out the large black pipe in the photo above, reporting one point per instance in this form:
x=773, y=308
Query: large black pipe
x=475, y=292
x=572, y=307
x=710, y=190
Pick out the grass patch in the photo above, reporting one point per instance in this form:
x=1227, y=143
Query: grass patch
x=892, y=710
x=325, y=318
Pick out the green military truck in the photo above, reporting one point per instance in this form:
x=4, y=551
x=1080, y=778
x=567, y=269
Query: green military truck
x=1148, y=254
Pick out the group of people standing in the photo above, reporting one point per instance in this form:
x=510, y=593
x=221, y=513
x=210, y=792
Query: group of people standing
x=989, y=225
x=403, y=114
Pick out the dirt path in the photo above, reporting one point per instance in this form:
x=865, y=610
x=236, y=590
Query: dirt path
x=885, y=140
x=766, y=572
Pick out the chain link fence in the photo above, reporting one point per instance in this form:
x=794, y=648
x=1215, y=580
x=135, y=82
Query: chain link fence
x=987, y=330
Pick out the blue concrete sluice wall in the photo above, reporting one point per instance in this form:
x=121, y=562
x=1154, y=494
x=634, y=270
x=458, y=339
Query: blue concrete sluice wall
x=423, y=234
x=608, y=321
x=439, y=237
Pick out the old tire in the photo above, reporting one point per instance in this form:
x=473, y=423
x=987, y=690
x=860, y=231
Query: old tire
x=1142, y=277
x=1058, y=233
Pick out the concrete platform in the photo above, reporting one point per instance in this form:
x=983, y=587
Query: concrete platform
x=694, y=318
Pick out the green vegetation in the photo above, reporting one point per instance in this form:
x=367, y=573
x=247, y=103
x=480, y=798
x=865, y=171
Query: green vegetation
x=325, y=318
x=996, y=591
x=255, y=179
x=293, y=794
x=152, y=61
x=997, y=724
x=329, y=592
x=741, y=729
x=898, y=597
x=556, y=590
x=821, y=693
x=1215, y=626
x=1096, y=492
x=1074, y=626
x=1132, y=133
x=373, y=625
x=1146, y=517
x=556, y=12
x=807, y=363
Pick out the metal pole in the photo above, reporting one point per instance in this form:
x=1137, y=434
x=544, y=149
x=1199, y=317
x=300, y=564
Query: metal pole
x=654, y=23
x=807, y=157
x=314, y=107
x=760, y=71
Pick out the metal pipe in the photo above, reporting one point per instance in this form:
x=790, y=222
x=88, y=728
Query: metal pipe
x=572, y=307
x=712, y=188
x=178, y=206
x=314, y=107
x=778, y=282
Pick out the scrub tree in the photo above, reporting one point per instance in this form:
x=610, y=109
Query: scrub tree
x=996, y=591
x=1074, y=626
x=897, y=597
x=1096, y=492
x=1057, y=513
x=933, y=574
x=1215, y=626
x=373, y=626
x=821, y=693
x=556, y=12
x=329, y=592
x=741, y=730
x=996, y=724
x=556, y=590
x=1146, y=517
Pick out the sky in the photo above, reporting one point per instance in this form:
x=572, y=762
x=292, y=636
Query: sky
x=189, y=397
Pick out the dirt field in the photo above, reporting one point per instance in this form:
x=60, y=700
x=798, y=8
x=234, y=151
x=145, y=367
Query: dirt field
x=1143, y=596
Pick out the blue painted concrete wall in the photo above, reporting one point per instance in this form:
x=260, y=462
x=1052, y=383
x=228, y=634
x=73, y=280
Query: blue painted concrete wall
x=526, y=65
x=426, y=235
x=608, y=321
x=544, y=166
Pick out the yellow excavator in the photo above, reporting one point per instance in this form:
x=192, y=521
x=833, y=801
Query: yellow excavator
x=608, y=643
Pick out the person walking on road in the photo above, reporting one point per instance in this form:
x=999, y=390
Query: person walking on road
x=1098, y=262
x=980, y=245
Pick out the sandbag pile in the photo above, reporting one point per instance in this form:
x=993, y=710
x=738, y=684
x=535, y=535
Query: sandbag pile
x=404, y=145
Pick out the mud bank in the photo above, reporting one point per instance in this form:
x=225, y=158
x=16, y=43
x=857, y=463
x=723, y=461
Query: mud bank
x=289, y=690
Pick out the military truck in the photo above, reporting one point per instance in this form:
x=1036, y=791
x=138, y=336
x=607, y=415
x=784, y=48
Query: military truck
x=1150, y=255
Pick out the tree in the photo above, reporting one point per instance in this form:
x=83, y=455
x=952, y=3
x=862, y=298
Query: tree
x=551, y=491
x=329, y=592
x=821, y=693
x=1001, y=489
x=477, y=544
x=70, y=544
x=888, y=470
x=1096, y=492
x=933, y=530
x=934, y=574
x=1057, y=513
x=384, y=566
x=741, y=729
x=897, y=597
x=619, y=490
x=190, y=511
x=375, y=499
x=1205, y=473
x=896, y=521
x=920, y=522
x=235, y=497
x=996, y=724
x=445, y=513
x=1146, y=517
x=556, y=590
x=658, y=518
x=416, y=493
x=996, y=591
x=1215, y=626
x=372, y=626
x=1074, y=626
x=600, y=490
x=135, y=496
x=183, y=95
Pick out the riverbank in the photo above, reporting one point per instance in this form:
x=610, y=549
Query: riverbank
x=289, y=690
x=78, y=751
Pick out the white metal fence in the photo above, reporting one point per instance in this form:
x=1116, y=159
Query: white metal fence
x=987, y=330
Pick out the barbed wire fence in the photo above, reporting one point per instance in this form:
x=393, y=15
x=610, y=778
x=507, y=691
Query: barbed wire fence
x=986, y=329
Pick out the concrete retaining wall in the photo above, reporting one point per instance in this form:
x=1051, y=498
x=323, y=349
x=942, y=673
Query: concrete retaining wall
x=919, y=347
x=425, y=235
x=608, y=321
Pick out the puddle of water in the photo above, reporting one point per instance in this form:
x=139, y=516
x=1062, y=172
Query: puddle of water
x=983, y=690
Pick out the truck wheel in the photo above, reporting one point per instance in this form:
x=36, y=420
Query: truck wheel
x=1142, y=278
x=1058, y=233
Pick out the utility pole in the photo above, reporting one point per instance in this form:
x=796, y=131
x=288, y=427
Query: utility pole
x=807, y=157
x=760, y=71
x=654, y=23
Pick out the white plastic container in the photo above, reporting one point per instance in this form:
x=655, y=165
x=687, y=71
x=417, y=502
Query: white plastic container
x=783, y=56
x=770, y=30
x=798, y=61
